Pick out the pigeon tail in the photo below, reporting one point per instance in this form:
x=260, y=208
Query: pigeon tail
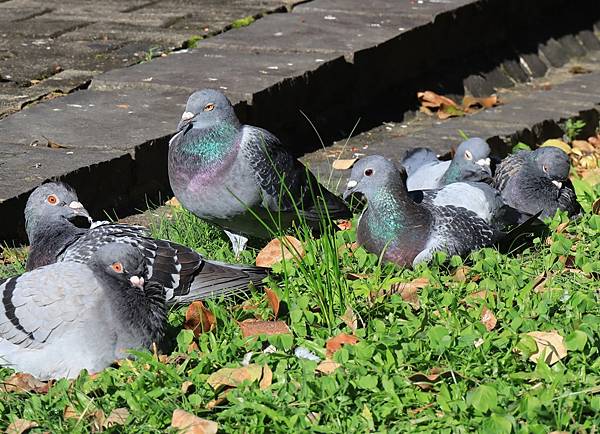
x=521, y=235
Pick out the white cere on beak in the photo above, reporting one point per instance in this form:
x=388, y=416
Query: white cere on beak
x=483, y=162
x=137, y=281
x=75, y=205
x=351, y=184
x=558, y=184
x=187, y=116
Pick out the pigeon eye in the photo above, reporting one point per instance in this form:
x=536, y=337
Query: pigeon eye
x=545, y=168
x=52, y=199
x=209, y=107
x=368, y=172
x=117, y=267
x=468, y=155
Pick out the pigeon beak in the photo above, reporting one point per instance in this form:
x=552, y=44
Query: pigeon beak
x=484, y=162
x=558, y=184
x=80, y=213
x=186, y=117
x=137, y=281
x=349, y=188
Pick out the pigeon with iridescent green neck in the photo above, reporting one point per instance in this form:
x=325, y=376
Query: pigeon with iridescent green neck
x=425, y=171
x=407, y=232
x=232, y=175
x=533, y=181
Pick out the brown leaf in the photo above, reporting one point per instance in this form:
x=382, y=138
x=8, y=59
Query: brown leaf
x=482, y=295
x=54, y=145
x=188, y=423
x=20, y=426
x=583, y=145
x=578, y=69
x=173, y=202
x=431, y=99
x=218, y=400
x=185, y=386
x=335, y=343
x=267, y=377
x=426, y=381
x=415, y=411
x=344, y=164
x=460, y=275
x=273, y=300
x=327, y=367
x=199, y=319
x=561, y=227
x=70, y=413
x=488, y=319
x=116, y=417
x=350, y=319
x=357, y=276
x=595, y=140
x=550, y=344
x=276, y=251
x=233, y=377
x=123, y=106
x=344, y=225
x=596, y=206
x=255, y=327
x=471, y=103
x=540, y=282
x=23, y=383
x=409, y=291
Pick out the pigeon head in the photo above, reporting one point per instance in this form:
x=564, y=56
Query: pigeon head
x=121, y=264
x=54, y=202
x=553, y=163
x=474, y=150
x=371, y=174
x=206, y=108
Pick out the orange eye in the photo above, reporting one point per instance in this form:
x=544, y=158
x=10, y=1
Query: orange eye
x=117, y=267
x=209, y=107
x=52, y=199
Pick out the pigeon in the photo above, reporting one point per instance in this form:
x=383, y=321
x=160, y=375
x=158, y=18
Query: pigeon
x=50, y=214
x=533, y=181
x=61, y=318
x=470, y=163
x=479, y=197
x=232, y=175
x=407, y=232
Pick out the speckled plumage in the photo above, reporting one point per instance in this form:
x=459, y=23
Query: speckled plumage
x=470, y=163
x=65, y=317
x=185, y=274
x=405, y=231
x=256, y=175
x=527, y=181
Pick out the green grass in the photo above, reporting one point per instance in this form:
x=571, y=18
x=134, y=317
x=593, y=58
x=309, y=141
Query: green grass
x=493, y=388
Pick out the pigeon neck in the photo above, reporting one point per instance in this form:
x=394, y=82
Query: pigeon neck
x=212, y=144
x=49, y=241
x=452, y=174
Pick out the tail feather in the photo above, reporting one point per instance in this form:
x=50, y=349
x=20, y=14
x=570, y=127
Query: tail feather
x=217, y=279
x=521, y=235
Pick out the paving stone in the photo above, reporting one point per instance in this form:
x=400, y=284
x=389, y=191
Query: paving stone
x=572, y=45
x=554, y=53
x=478, y=86
x=498, y=78
x=534, y=65
x=589, y=40
x=514, y=70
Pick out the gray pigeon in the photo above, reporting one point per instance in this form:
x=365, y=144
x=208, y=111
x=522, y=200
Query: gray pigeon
x=52, y=211
x=533, y=181
x=479, y=197
x=408, y=232
x=471, y=162
x=229, y=174
x=65, y=317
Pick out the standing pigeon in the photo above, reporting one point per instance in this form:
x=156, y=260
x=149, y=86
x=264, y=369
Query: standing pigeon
x=65, y=317
x=533, y=181
x=232, y=175
x=470, y=163
x=52, y=211
x=405, y=231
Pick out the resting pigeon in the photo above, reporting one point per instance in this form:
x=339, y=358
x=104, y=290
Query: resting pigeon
x=533, y=181
x=232, y=174
x=471, y=162
x=65, y=317
x=408, y=232
x=50, y=214
x=479, y=197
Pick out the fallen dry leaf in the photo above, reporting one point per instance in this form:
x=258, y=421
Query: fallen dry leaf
x=273, y=300
x=335, y=343
x=426, y=381
x=199, y=319
x=188, y=423
x=185, y=386
x=328, y=367
x=357, y=276
x=123, y=106
x=24, y=383
x=255, y=327
x=276, y=251
x=344, y=164
x=409, y=291
x=472, y=104
x=488, y=319
x=350, y=319
x=561, y=227
x=173, y=202
x=414, y=411
x=233, y=377
x=557, y=143
x=54, y=145
x=460, y=275
x=550, y=344
x=344, y=225
x=218, y=400
x=19, y=426
x=539, y=283
x=116, y=417
x=583, y=145
x=70, y=413
x=578, y=69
